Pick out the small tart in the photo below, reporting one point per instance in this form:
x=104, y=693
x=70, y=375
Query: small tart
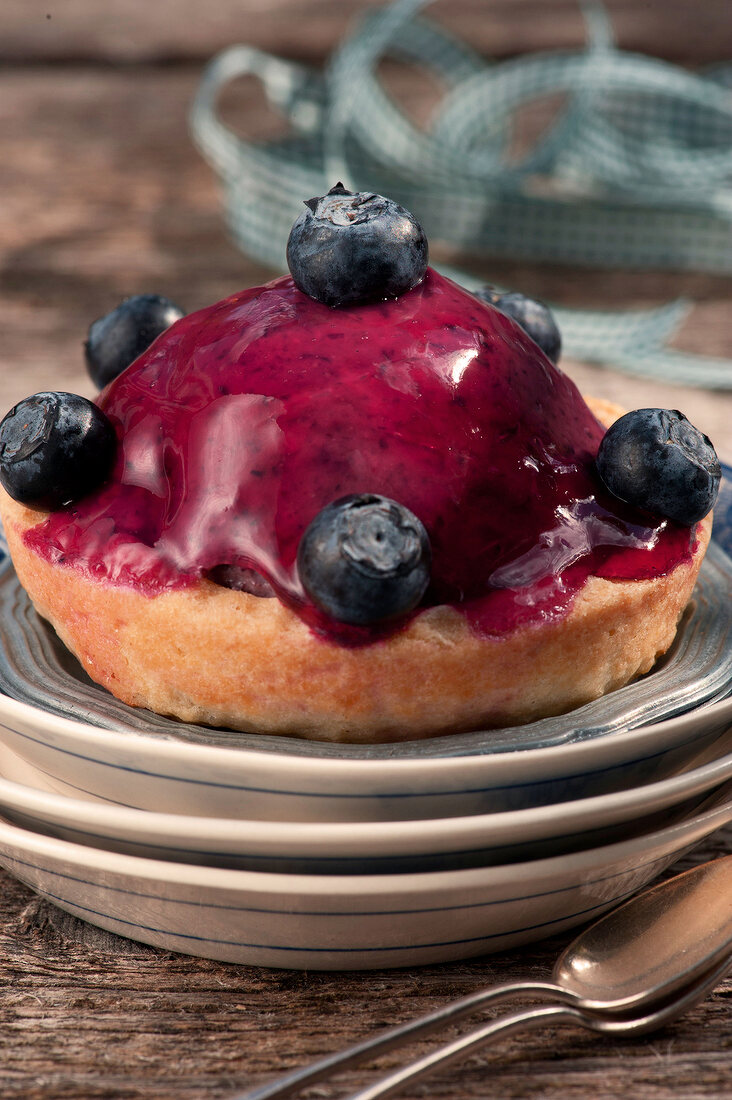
x=216, y=656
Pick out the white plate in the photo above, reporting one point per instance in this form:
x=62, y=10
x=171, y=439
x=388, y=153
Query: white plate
x=332, y=922
x=174, y=777
x=359, y=847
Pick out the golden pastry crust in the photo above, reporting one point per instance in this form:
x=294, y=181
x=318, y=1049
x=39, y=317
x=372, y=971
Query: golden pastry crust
x=219, y=657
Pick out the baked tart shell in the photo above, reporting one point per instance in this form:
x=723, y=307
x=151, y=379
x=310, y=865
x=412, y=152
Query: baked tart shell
x=212, y=655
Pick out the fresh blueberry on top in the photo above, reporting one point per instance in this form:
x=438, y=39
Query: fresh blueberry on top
x=117, y=339
x=535, y=318
x=54, y=449
x=656, y=460
x=347, y=248
x=364, y=559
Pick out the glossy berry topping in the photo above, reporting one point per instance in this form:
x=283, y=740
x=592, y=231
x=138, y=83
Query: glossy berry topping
x=54, y=449
x=347, y=248
x=117, y=339
x=656, y=460
x=241, y=580
x=365, y=560
x=535, y=318
x=248, y=418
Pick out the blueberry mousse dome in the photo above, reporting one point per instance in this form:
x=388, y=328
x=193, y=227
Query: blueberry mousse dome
x=356, y=504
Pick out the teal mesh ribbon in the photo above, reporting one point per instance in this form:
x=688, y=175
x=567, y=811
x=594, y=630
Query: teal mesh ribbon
x=634, y=171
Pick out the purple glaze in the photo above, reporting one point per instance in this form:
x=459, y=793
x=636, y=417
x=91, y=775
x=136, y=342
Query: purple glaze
x=245, y=419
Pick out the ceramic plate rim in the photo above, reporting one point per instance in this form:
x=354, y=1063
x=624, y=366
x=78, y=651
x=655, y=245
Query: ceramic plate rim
x=350, y=887
x=217, y=756
x=362, y=838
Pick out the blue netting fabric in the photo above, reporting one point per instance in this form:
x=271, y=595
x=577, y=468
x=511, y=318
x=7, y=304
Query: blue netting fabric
x=634, y=171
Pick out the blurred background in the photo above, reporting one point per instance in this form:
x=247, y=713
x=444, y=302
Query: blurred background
x=104, y=195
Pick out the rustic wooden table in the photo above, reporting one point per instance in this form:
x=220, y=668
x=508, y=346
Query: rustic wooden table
x=102, y=195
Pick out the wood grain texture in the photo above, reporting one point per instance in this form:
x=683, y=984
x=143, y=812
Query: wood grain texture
x=102, y=195
x=85, y=1014
x=173, y=30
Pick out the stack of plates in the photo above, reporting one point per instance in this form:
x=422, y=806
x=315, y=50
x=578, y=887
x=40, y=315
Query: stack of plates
x=278, y=852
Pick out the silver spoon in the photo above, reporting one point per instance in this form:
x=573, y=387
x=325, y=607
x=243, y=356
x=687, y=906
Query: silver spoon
x=654, y=1016
x=669, y=938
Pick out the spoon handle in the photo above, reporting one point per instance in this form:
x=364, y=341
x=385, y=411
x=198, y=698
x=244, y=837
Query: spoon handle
x=669, y=1009
x=396, y=1036
x=528, y=1019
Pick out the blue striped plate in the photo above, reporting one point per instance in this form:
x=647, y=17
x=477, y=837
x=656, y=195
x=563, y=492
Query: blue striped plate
x=333, y=922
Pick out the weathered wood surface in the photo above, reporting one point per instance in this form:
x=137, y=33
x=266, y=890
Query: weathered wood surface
x=85, y=1015
x=175, y=30
x=102, y=196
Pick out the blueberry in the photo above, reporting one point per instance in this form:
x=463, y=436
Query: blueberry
x=117, y=339
x=535, y=318
x=54, y=449
x=656, y=460
x=364, y=560
x=347, y=248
